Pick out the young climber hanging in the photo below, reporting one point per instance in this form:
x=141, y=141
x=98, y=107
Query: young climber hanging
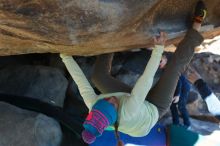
x=135, y=115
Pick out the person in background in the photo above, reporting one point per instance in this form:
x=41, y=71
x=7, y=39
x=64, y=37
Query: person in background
x=180, y=97
x=180, y=101
x=182, y=92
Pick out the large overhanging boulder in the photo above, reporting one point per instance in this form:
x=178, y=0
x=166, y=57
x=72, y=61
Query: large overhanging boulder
x=89, y=27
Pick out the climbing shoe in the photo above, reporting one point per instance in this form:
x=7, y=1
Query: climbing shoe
x=200, y=12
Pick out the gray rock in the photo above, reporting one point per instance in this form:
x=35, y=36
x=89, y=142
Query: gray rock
x=208, y=66
x=193, y=96
x=25, y=128
x=84, y=27
x=40, y=82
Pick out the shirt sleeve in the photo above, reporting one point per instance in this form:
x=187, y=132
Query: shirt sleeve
x=144, y=83
x=85, y=89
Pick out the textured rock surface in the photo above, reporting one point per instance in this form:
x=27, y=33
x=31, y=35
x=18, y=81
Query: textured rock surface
x=88, y=27
x=40, y=82
x=208, y=65
x=25, y=128
x=22, y=127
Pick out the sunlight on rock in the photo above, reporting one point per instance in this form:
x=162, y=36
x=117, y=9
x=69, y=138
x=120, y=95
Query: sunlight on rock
x=211, y=45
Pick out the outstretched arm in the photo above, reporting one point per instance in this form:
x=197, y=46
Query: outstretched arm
x=78, y=76
x=144, y=83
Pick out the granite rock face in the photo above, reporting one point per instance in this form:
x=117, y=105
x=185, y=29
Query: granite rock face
x=39, y=82
x=89, y=27
x=208, y=65
x=24, y=128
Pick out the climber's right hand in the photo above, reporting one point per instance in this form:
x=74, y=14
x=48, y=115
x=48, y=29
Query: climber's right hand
x=161, y=39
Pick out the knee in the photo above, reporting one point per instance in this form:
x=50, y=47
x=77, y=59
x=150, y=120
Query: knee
x=98, y=77
x=95, y=80
x=94, y=77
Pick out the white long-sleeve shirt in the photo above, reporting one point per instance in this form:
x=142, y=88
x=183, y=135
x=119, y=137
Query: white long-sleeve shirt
x=136, y=116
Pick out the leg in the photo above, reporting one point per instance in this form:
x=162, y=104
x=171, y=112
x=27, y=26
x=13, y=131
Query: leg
x=161, y=94
x=175, y=114
x=183, y=101
x=102, y=78
x=184, y=112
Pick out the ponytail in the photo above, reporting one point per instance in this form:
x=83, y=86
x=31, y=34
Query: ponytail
x=119, y=142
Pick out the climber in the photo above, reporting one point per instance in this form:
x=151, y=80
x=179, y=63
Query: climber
x=130, y=112
x=206, y=93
